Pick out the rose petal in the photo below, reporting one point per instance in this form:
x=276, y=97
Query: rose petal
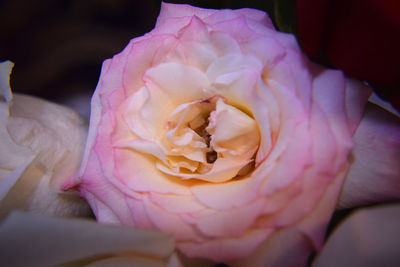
x=129, y=162
x=374, y=174
x=211, y=16
x=316, y=223
x=169, y=11
x=287, y=247
x=356, y=97
x=238, y=28
x=239, y=192
x=282, y=175
x=176, y=203
x=367, y=238
x=141, y=54
x=231, y=223
x=98, y=189
x=222, y=170
x=329, y=94
x=185, y=82
x=227, y=248
x=170, y=223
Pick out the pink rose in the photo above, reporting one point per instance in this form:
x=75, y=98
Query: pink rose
x=216, y=128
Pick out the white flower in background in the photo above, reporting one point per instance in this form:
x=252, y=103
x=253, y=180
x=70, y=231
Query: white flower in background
x=41, y=144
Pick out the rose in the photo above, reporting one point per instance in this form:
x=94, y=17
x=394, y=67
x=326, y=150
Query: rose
x=40, y=147
x=216, y=128
x=359, y=37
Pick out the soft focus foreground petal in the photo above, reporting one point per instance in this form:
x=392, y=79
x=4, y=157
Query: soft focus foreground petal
x=27, y=239
x=129, y=261
x=367, y=238
x=374, y=175
x=126, y=261
x=284, y=248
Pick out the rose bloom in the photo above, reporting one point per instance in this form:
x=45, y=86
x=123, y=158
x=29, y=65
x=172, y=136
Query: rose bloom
x=216, y=128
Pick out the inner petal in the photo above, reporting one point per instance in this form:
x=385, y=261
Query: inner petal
x=209, y=140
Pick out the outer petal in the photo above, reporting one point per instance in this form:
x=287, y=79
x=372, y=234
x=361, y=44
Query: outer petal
x=212, y=16
x=374, y=175
x=226, y=249
x=286, y=247
x=366, y=238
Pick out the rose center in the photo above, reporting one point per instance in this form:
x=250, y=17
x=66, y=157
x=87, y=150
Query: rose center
x=209, y=140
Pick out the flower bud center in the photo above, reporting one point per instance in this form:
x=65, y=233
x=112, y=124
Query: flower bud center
x=209, y=140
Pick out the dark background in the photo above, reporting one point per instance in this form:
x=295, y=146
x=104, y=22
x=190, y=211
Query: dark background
x=58, y=45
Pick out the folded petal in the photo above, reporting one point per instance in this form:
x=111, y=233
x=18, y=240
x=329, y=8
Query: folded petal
x=374, y=175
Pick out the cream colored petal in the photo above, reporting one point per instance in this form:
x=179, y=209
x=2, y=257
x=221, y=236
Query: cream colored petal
x=233, y=133
x=184, y=83
x=222, y=171
x=229, y=123
x=144, y=146
x=28, y=238
x=43, y=143
x=62, y=134
x=5, y=72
